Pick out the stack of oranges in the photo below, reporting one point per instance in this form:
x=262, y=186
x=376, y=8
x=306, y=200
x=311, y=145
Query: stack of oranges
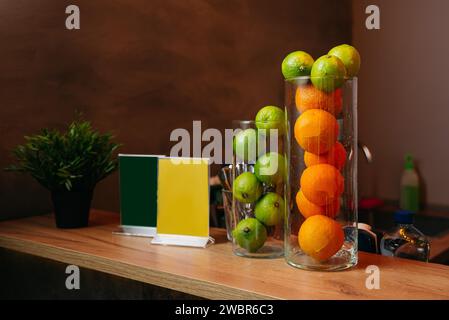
x=321, y=184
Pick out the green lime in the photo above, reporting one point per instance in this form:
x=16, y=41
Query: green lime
x=271, y=117
x=245, y=145
x=270, y=209
x=250, y=234
x=328, y=73
x=270, y=168
x=246, y=188
x=297, y=64
x=349, y=56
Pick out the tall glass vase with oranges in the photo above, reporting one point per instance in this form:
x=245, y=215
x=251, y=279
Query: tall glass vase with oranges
x=321, y=111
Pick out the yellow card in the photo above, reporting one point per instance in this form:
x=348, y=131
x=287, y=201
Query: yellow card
x=183, y=201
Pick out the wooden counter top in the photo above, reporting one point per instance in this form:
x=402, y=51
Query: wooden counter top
x=215, y=272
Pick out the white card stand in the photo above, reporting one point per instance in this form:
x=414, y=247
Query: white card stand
x=181, y=240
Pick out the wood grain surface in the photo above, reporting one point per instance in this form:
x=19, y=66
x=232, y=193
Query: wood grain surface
x=215, y=272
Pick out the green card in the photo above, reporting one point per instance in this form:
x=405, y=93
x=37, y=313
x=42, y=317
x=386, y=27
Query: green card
x=138, y=193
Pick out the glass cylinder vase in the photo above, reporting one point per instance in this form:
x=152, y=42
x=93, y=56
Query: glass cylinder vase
x=321, y=223
x=259, y=186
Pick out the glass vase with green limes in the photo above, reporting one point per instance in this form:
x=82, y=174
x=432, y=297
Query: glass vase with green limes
x=259, y=184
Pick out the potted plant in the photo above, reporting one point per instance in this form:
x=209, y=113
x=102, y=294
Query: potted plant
x=69, y=164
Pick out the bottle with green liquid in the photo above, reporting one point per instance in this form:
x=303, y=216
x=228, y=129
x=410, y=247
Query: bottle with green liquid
x=409, y=186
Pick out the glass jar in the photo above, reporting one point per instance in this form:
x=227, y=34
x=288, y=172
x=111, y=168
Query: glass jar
x=321, y=223
x=259, y=177
x=227, y=209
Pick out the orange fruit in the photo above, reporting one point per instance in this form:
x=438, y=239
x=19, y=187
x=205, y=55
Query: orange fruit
x=308, y=208
x=316, y=131
x=322, y=184
x=308, y=97
x=336, y=157
x=320, y=237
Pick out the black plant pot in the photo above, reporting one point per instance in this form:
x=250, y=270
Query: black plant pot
x=71, y=208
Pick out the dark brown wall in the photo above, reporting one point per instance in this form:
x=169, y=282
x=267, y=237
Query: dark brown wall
x=143, y=68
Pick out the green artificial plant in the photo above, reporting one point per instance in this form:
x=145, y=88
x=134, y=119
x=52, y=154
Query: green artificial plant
x=75, y=160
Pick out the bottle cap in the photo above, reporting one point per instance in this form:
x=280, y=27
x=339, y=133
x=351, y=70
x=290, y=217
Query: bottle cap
x=408, y=164
x=403, y=217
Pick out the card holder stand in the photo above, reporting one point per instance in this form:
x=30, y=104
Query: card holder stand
x=182, y=240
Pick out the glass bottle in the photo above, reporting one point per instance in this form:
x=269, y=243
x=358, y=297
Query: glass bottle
x=405, y=240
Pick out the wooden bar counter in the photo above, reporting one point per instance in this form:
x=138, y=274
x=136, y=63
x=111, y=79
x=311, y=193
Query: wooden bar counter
x=214, y=272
